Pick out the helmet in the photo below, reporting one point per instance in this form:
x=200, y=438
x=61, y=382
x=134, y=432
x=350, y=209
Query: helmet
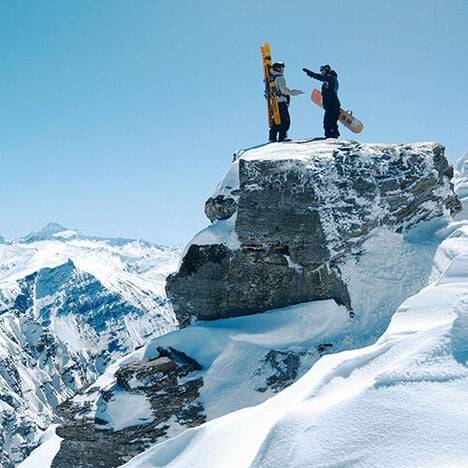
x=277, y=65
x=327, y=68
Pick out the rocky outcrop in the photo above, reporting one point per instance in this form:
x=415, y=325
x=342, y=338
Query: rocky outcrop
x=287, y=213
x=291, y=224
x=167, y=386
x=220, y=208
x=185, y=378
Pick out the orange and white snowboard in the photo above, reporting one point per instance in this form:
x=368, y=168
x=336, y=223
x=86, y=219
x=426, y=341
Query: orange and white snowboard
x=346, y=117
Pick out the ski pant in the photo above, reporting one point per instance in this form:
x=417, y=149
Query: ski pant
x=330, y=122
x=281, y=130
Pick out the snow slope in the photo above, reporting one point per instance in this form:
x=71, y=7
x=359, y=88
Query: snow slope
x=398, y=402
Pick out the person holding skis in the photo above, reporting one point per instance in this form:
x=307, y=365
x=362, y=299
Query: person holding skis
x=330, y=100
x=281, y=131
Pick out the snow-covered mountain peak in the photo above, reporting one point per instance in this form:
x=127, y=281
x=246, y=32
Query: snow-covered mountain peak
x=50, y=231
x=400, y=401
x=181, y=390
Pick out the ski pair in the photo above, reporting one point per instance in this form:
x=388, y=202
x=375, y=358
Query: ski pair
x=271, y=92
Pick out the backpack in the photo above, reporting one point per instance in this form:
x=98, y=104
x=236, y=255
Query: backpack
x=336, y=85
x=277, y=92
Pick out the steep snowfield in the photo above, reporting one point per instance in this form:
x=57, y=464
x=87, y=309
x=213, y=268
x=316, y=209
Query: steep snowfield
x=398, y=402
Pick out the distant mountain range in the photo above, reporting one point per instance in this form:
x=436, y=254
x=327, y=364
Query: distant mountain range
x=70, y=304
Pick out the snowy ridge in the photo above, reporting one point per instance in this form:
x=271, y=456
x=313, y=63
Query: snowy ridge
x=403, y=396
x=244, y=358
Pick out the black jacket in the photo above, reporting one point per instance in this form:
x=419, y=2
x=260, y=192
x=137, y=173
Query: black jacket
x=329, y=88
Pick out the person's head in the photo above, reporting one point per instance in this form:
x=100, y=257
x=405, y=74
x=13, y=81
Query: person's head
x=278, y=67
x=325, y=69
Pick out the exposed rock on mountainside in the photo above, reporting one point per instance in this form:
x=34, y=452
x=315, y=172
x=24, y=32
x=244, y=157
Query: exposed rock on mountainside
x=161, y=386
x=287, y=214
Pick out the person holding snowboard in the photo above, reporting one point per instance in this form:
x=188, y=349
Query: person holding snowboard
x=281, y=131
x=330, y=100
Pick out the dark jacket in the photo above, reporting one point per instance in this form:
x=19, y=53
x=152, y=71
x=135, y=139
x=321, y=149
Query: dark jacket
x=329, y=88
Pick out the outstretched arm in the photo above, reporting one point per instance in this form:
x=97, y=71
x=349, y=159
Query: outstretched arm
x=281, y=83
x=317, y=76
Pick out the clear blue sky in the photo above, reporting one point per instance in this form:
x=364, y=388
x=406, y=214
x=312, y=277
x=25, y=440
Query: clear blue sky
x=119, y=117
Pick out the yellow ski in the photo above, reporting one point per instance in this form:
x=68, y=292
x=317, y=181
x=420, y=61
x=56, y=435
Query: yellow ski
x=270, y=87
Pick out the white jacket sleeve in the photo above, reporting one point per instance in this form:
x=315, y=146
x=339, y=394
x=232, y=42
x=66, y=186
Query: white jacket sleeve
x=281, y=84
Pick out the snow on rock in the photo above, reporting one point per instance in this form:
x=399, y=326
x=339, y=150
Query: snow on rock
x=187, y=377
x=69, y=306
x=287, y=216
x=43, y=455
x=313, y=383
x=400, y=401
x=195, y=375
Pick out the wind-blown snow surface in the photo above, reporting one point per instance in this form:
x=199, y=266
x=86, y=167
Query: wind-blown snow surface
x=398, y=402
x=70, y=305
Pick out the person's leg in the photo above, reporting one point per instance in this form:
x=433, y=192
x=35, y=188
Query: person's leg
x=273, y=132
x=336, y=116
x=285, y=121
x=330, y=123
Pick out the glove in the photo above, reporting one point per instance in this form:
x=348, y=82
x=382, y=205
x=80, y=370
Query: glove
x=309, y=73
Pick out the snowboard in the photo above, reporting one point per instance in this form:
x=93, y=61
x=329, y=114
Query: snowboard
x=270, y=86
x=346, y=117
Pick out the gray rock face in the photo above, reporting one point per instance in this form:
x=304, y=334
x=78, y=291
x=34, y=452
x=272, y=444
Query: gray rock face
x=296, y=209
x=220, y=208
x=165, y=383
